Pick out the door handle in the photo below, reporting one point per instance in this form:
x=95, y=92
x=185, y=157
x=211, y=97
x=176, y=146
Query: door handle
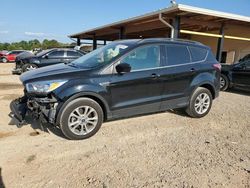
x=192, y=70
x=155, y=76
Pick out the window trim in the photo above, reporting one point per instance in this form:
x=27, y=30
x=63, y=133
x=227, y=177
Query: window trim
x=162, y=56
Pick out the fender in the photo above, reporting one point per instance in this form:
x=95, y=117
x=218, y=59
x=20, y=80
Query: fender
x=209, y=80
x=84, y=90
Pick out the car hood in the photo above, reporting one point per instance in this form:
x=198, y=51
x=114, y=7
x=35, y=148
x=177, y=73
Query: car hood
x=59, y=71
x=226, y=67
x=25, y=55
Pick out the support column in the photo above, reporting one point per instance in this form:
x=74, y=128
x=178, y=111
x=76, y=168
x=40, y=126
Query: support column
x=122, y=33
x=94, y=42
x=78, y=42
x=220, y=43
x=104, y=42
x=176, y=24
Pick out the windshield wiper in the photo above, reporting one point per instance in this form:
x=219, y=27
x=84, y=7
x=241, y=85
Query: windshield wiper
x=71, y=64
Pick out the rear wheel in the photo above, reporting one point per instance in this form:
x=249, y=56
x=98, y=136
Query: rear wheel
x=81, y=119
x=224, y=82
x=200, y=103
x=29, y=67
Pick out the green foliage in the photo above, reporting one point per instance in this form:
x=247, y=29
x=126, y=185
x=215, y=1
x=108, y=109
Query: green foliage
x=29, y=45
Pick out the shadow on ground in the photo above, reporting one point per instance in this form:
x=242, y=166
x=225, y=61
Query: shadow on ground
x=240, y=91
x=37, y=125
x=1, y=179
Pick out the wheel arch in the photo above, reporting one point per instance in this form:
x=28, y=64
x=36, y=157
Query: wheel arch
x=94, y=96
x=210, y=88
x=208, y=81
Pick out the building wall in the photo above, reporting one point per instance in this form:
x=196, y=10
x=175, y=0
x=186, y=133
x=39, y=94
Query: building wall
x=235, y=49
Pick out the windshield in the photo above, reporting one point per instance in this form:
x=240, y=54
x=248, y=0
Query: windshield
x=247, y=57
x=103, y=55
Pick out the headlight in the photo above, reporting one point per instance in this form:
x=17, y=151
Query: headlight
x=44, y=86
x=36, y=61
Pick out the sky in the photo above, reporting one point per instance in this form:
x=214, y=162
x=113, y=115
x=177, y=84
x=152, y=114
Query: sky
x=56, y=19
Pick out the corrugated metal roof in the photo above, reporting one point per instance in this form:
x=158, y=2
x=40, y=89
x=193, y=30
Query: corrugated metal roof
x=174, y=8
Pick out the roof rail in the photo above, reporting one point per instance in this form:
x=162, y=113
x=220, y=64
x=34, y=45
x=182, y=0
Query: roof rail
x=172, y=40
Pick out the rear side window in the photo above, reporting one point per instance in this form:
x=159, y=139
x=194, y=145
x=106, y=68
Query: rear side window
x=177, y=54
x=210, y=56
x=198, y=54
x=73, y=54
x=56, y=54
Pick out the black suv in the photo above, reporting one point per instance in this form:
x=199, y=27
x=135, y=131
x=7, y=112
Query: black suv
x=45, y=58
x=237, y=74
x=122, y=79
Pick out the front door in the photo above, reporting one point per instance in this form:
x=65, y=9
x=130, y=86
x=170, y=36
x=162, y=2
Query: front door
x=138, y=91
x=53, y=57
x=241, y=74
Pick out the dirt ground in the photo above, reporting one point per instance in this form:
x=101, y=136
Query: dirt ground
x=160, y=150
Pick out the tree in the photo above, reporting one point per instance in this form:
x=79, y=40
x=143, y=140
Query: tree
x=29, y=45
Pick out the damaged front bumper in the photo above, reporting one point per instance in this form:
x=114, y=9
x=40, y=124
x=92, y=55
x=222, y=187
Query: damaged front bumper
x=43, y=109
x=17, y=71
x=19, y=109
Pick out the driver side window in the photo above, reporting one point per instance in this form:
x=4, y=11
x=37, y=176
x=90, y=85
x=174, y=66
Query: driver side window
x=143, y=58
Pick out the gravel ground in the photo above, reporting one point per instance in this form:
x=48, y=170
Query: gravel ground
x=160, y=150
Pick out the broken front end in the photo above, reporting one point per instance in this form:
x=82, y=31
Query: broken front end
x=43, y=109
x=37, y=102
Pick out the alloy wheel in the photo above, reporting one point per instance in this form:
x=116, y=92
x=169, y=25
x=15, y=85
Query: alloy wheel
x=222, y=82
x=31, y=67
x=83, y=120
x=202, y=103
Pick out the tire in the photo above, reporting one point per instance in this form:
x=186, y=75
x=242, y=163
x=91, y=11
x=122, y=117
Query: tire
x=224, y=82
x=82, y=127
x=28, y=67
x=4, y=60
x=193, y=109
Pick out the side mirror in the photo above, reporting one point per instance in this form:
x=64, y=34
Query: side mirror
x=123, y=68
x=46, y=56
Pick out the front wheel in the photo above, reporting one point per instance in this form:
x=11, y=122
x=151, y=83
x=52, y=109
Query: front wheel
x=200, y=103
x=81, y=119
x=29, y=67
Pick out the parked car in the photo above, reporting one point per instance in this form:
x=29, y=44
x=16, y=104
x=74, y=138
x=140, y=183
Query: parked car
x=237, y=74
x=46, y=58
x=122, y=79
x=3, y=53
x=11, y=56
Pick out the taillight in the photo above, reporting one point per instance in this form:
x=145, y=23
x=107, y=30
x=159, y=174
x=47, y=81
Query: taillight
x=217, y=66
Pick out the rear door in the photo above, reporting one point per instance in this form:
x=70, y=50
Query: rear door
x=241, y=74
x=54, y=57
x=138, y=91
x=72, y=55
x=181, y=68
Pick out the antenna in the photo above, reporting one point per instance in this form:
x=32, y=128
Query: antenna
x=173, y=2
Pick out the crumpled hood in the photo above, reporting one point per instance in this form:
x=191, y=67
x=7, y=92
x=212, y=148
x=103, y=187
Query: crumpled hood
x=54, y=71
x=25, y=55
